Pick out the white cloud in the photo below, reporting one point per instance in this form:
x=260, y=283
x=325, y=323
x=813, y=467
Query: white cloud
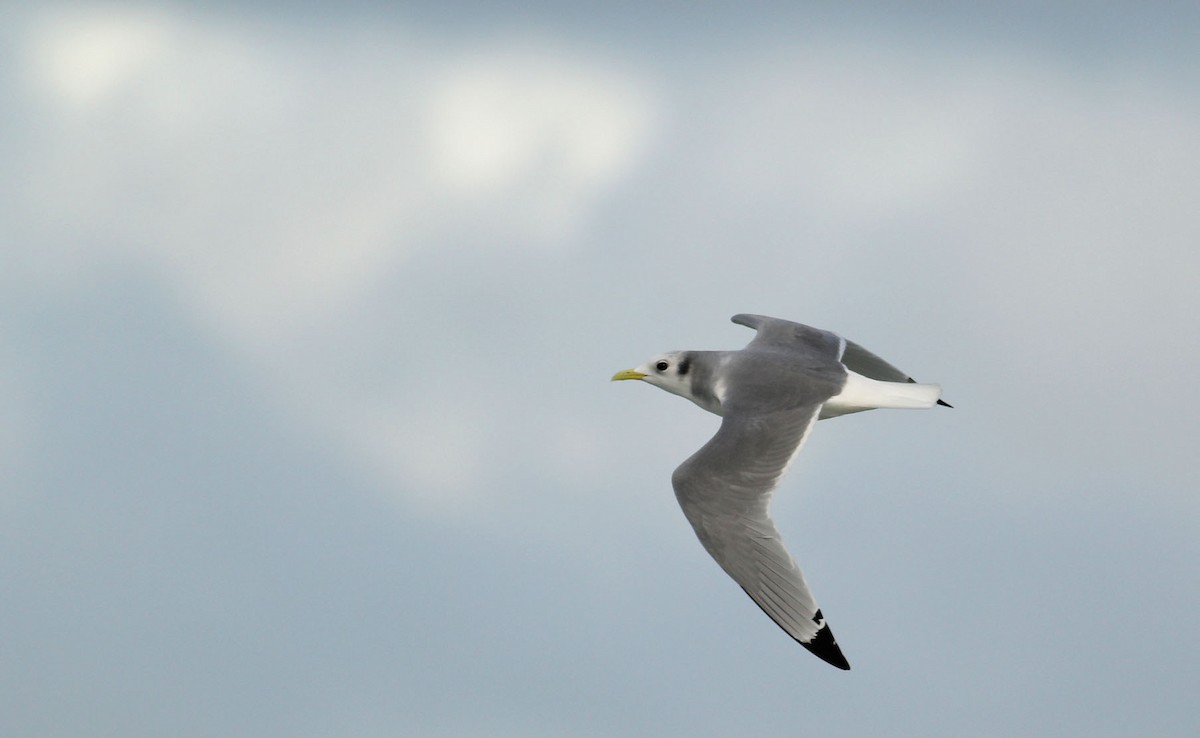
x=85, y=57
x=531, y=115
x=534, y=133
x=274, y=184
x=236, y=158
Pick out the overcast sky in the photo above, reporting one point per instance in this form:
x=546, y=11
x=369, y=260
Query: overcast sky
x=307, y=319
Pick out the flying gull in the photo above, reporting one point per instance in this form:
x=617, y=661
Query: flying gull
x=769, y=395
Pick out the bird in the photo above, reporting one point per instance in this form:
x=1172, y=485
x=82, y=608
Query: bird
x=769, y=396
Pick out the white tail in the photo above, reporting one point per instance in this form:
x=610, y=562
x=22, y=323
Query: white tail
x=864, y=393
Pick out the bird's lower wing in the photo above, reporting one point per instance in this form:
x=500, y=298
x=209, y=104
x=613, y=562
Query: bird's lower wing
x=725, y=492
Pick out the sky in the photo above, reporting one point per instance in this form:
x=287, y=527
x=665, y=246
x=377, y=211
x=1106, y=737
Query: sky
x=307, y=319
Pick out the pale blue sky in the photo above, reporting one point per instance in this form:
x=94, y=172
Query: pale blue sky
x=308, y=318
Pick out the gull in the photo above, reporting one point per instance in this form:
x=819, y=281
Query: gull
x=769, y=395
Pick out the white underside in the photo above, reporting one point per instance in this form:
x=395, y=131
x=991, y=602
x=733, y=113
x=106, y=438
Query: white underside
x=792, y=458
x=864, y=393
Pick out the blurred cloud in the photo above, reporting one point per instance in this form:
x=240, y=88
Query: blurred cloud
x=274, y=181
x=199, y=116
x=521, y=115
x=85, y=57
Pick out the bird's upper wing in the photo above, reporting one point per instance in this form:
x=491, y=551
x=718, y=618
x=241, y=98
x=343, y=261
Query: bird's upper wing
x=725, y=491
x=858, y=359
x=784, y=334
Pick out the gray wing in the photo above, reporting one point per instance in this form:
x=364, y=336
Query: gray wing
x=822, y=350
x=784, y=334
x=858, y=359
x=725, y=491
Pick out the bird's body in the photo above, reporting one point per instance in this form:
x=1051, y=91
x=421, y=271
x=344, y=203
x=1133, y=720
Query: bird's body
x=769, y=394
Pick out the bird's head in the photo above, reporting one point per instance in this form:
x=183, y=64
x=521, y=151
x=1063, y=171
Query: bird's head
x=671, y=372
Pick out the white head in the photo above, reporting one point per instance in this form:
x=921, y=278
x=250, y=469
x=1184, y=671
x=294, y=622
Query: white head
x=671, y=372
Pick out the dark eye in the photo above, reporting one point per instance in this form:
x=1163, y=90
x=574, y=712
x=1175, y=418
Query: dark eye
x=662, y=366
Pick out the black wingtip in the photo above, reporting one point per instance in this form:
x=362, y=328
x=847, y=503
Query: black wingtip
x=824, y=646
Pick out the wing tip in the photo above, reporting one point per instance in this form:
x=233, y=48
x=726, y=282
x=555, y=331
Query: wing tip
x=824, y=646
x=750, y=320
